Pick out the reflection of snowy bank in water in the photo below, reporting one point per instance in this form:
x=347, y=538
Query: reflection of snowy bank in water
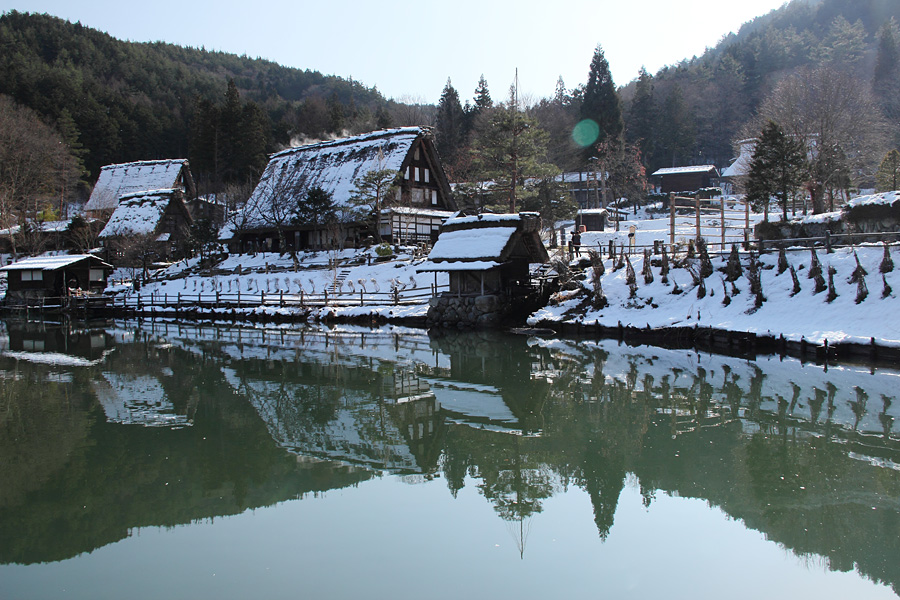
x=137, y=400
x=808, y=395
x=53, y=358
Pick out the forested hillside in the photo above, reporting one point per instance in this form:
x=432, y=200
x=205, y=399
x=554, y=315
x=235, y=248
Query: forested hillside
x=124, y=101
x=691, y=112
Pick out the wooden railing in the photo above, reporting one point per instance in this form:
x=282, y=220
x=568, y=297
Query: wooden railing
x=185, y=301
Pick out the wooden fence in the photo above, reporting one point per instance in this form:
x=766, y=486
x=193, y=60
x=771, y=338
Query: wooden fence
x=218, y=300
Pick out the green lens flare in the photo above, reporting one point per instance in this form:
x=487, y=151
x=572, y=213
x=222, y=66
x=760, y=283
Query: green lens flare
x=586, y=133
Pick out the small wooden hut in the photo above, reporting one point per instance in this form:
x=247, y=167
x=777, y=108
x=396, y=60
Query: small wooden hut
x=32, y=279
x=488, y=259
x=686, y=179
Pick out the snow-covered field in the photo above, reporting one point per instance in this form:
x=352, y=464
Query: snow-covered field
x=345, y=273
x=802, y=315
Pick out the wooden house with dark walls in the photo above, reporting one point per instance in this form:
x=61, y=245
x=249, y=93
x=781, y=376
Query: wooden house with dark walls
x=686, y=179
x=158, y=219
x=270, y=220
x=124, y=179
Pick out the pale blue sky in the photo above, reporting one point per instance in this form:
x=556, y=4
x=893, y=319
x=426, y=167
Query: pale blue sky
x=408, y=49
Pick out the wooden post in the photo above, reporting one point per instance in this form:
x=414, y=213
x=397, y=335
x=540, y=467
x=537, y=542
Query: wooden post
x=671, y=222
x=722, y=223
x=281, y=297
x=746, y=224
x=697, y=205
x=360, y=298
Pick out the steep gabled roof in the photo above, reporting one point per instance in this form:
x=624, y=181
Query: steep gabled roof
x=485, y=241
x=138, y=214
x=685, y=170
x=52, y=263
x=120, y=180
x=333, y=166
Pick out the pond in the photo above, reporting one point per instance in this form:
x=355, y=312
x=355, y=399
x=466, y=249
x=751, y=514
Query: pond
x=155, y=459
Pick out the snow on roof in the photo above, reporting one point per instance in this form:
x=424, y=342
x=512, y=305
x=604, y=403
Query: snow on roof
x=485, y=244
x=50, y=263
x=487, y=218
x=593, y=211
x=423, y=212
x=334, y=166
x=138, y=214
x=741, y=165
x=474, y=265
x=137, y=400
x=885, y=198
x=45, y=226
x=683, y=170
x=116, y=181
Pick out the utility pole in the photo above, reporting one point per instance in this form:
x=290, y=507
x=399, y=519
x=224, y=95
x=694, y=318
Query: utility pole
x=515, y=144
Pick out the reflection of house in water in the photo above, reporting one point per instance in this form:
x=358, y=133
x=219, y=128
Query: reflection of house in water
x=56, y=344
x=132, y=399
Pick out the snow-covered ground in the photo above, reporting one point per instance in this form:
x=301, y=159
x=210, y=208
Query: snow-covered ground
x=345, y=273
x=802, y=315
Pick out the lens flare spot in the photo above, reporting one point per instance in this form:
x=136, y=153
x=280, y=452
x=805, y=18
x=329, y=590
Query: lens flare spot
x=586, y=133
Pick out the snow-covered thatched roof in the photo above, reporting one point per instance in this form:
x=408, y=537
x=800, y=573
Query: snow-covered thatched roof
x=120, y=180
x=882, y=199
x=52, y=263
x=741, y=165
x=334, y=166
x=685, y=170
x=138, y=214
x=484, y=242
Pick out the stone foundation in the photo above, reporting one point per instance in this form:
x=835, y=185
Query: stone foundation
x=466, y=312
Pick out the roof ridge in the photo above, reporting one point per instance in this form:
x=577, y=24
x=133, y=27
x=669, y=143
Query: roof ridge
x=372, y=135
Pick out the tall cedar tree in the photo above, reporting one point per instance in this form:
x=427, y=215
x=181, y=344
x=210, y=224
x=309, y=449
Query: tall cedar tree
x=511, y=149
x=887, y=179
x=482, y=98
x=228, y=142
x=601, y=103
x=886, y=79
x=642, y=115
x=776, y=168
x=451, y=122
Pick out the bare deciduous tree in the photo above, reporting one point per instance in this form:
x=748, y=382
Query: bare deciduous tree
x=36, y=166
x=839, y=120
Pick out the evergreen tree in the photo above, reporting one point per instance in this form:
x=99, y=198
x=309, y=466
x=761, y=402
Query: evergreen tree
x=642, y=115
x=887, y=179
x=776, y=169
x=371, y=193
x=600, y=103
x=482, y=99
x=450, y=134
x=511, y=149
x=337, y=120
x=675, y=133
x=317, y=210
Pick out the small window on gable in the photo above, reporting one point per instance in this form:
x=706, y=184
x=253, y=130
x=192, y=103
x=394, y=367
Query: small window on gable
x=416, y=153
x=418, y=196
x=407, y=172
x=426, y=175
x=434, y=197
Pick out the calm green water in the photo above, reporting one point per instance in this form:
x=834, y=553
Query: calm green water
x=158, y=460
